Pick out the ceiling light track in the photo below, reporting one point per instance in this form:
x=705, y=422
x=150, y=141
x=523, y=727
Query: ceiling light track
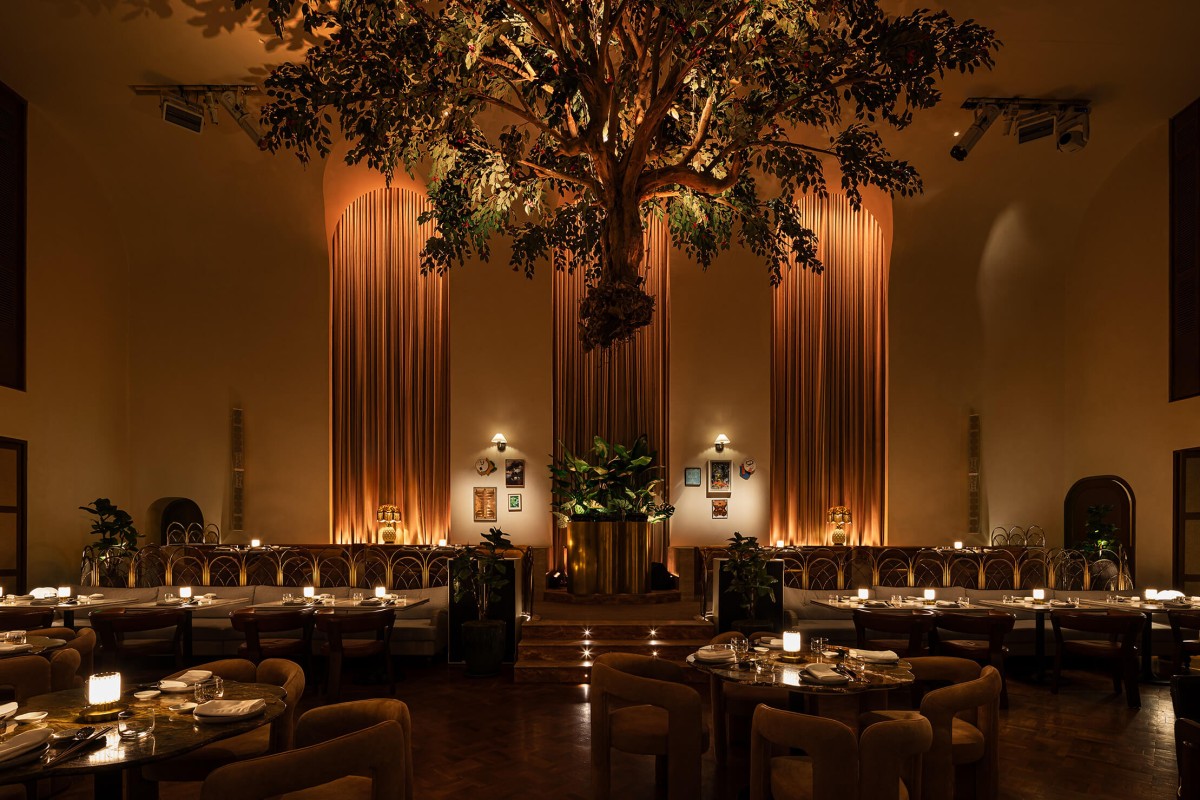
x=1030, y=118
x=186, y=105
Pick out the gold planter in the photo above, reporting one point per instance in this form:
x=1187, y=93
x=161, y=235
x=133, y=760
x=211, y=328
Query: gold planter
x=608, y=558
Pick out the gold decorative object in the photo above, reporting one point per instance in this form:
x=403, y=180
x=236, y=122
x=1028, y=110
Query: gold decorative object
x=840, y=517
x=388, y=518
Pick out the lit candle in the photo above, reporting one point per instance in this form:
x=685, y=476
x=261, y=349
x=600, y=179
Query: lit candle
x=256, y=543
x=104, y=688
x=863, y=594
x=930, y=595
x=441, y=542
x=791, y=642
x=64, y=592
x=309, y=592
x=185, y=592
x=958, y=545
x=781, y=543
x=380, y=591
x=1151, y=594
x=1039, y=595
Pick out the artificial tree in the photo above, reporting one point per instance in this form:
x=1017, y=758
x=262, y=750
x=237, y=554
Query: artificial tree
x=564, y=124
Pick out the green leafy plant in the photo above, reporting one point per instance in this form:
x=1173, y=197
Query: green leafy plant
x=617, y=487
x=112, y=525
x=476, y=571
x=747, y=568
x=565, y=124
x=1098, y=534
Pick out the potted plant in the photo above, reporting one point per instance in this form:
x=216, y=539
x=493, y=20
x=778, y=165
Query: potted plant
x=118, y=537
x=476, y=572
x=1097, y=534
x=608, y=506
x=749, y=581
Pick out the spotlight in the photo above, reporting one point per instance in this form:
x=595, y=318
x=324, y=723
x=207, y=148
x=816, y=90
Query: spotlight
x=235, y=104
x=984, y=117
x=1071, y=130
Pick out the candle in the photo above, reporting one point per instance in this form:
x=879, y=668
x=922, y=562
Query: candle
x=441, y=542
x=185, y=592
x=64, y=592
x=863, y=594
x=104, y=688
x=1151, y=594
x=1039, y=595
x=309, y=592
x=791, y=641
x=781, y=543
x=380, y=591
x=256, y=543
x=958, y=545
x=930, y=595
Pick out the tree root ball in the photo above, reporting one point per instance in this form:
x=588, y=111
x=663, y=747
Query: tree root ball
x=612, y=312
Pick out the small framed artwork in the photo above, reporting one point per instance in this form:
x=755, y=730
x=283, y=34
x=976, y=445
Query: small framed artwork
x=514, y=473
x=720, y=478
x=514, y=502
x=485, y=503
x=691, y=476
x=720, y=509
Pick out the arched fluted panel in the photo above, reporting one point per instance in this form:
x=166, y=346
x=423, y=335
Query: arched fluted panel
x=620, y=393
x=390, y=363
x=829, y=381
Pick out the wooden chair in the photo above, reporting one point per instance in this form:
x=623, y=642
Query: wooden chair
x=360, y=749
x=337, y=647
x=912, y=627
x=64, y=669
x=736, y=701
x=26, y=619
x=837, y=764
x=995, y=625
x=1119, y=647
x=1185, y=631
x=113, y=624
x=1187, y=756
x=253, y=625
x=964, y=717
x=639, y=704
x=275, y=738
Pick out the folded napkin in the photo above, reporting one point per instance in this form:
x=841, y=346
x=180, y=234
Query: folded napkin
x=947, y=604
x=299, y=602
x=774, y=644
x=23, y=743
x=42, y=592
x=175, y=601
x=24, y=598
x=875, y=603
x=371, y=601
x=7, y=710
x=95, y=596
x=1178, y=604
x=1061, y=604
x=209, y=596
x=875, y=656
x=229, y=708
x=823, y=673
x=7, y=647
x=715, y=654
x=194, y=676
x=44, y=601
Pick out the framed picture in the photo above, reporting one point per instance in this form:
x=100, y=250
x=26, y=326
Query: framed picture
x=514, y=473
x=720, y=509
x=485, y=503
x=514, y=502
x=691, y=476
x=720, y=478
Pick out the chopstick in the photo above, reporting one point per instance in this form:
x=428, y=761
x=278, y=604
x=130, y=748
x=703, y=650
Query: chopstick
x=73, y=750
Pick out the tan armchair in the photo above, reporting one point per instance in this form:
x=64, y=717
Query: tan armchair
x=828, y=772
x=26, y=676
x=64, y=669
x=640, y=704
x=735, y=701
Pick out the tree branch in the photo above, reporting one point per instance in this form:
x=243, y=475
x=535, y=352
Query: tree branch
x=554, y=174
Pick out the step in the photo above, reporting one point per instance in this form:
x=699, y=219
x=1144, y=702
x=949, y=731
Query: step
x=564, y=650
x=617, y=629
x=580, y=672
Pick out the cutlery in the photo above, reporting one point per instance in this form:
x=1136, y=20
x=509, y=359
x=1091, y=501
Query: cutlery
x=77, y=736
x=74, y=749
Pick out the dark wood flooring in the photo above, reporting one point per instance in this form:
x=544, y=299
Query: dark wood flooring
x=491, y=738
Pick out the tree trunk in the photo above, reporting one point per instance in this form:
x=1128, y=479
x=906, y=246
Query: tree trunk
x=624, y=245
x=616, y=306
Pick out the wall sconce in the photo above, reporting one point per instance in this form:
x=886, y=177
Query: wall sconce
x=840, y=517
x=720, y=442
x=500, y=442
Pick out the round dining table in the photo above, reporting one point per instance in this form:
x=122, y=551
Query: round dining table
x=175, y=733
x=36, y=646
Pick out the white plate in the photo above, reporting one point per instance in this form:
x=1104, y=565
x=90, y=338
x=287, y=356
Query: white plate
x=175, y=686
x=31, y=717
x=26, y=758
x=148, y=694
x=183, y=708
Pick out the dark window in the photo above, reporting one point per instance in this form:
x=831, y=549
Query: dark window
x=1185, y=253
x=12, y=239
x=1186, y=575
x=13, y=497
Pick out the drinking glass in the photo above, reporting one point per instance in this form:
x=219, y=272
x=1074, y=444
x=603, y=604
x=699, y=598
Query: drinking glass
x=357, y=597
x=896, y=600
x=168, y=598
x=740, y=646
x=16, y=637
x=211, y=689
x=963, y=601
x=136, y=724
x=816, y=646
x=288, y=598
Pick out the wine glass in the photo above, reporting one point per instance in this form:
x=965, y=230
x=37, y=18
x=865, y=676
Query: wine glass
x=740, y=645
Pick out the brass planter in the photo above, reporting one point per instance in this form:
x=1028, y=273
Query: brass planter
x=608, y=558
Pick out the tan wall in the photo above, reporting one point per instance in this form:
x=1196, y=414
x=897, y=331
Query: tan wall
x=73, y=413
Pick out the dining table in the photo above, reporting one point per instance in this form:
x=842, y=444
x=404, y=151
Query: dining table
x=66, y=607
x=343, y=605
x=32, y=646
x=1148, y=609
x=853, y=604
x=188, y=609
x=118, y=762
x=1039, y=611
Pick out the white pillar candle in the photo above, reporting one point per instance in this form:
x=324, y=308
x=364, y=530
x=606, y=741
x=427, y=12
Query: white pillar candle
x=791, y=641
x=256, y=543
x=1151, y=594
x=441, y=542
x=380, y=591
x=185, y=592
x=64, y=592
x=781, y=543
x=309, y=592
x=930, y=594
x=958, y=545
x=103, y=688
x=863, y=594
x=1039, y=594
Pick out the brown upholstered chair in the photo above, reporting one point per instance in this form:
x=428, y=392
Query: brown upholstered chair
x=26, y=619
x=350, y=750
x=1119, y=646
x=995, y=625
x=964, y=717
x=736, y=701
x=1187, y=755
x=275, y=738
x=837, y=765
x=640, y=705
x=910, y=630
x=337, y=647
x=25, y=676
x=83, y=641
x=1185, y=696
x=113, y=624
x=253, y=624
x=64, y=670
x=1185, y=630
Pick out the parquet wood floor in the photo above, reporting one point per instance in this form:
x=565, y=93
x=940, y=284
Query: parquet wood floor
x=493, y=739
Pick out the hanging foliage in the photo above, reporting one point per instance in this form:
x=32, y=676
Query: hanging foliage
x=564, y=124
